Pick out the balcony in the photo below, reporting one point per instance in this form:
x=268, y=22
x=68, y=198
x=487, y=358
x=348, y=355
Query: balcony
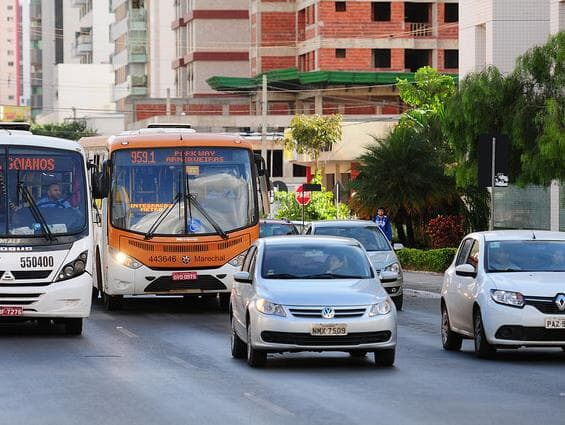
x=78, y=3
x=37, y=101
x=136, y=20
x=418, y=29
x=136, y=85
x=82, y=45
x=35, y=56
x=116, y=3
x=133, y=54
x=35, y=11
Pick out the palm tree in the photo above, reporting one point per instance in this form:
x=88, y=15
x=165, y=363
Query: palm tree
x=404, y=173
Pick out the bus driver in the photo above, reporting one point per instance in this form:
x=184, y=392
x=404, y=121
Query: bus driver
x=53, y=198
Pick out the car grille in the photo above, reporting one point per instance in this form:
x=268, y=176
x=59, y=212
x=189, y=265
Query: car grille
x=36, y=274
x=523, y=333
x=544, y=304
x=316, y=312
x=165, y=284
x=18, y=299
x=305, y=339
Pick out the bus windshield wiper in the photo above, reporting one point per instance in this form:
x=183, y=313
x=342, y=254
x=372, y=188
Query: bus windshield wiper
x=35, y=211
x=192, y=200
x=149, y=234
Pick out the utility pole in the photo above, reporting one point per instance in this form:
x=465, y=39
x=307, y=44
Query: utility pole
x=491, y=225
x=168, y=107
x=264, y=106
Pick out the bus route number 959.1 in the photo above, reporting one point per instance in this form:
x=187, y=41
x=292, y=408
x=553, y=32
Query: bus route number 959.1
x=33, y=262
x=163, y=259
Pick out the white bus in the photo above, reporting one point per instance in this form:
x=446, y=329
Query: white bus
x=45, y=231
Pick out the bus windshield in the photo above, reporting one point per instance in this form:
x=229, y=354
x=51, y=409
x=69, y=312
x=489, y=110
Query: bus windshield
x=42, y=192
x=182, y=191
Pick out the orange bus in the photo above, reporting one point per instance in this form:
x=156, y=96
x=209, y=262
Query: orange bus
x=178, y=211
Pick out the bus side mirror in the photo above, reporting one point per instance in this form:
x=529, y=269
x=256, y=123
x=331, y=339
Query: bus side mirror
x=101, y=182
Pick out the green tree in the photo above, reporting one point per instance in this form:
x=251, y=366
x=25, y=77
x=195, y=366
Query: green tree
x=404, y=173
x=311, y=134
x=320, y=207
x=72, y=130
x=539, y=120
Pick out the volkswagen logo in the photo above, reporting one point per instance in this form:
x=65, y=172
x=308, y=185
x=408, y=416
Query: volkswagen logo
x=328, y=313
x=560, y=302
x=185, y=259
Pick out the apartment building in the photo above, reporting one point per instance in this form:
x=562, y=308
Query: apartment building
x=496, y=32
x=10, y=87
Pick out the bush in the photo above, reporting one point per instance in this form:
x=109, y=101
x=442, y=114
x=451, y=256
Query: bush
x=433, y=260
x=445, y=231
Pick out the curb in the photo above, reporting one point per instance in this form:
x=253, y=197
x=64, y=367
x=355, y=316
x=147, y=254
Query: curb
x=421, y=294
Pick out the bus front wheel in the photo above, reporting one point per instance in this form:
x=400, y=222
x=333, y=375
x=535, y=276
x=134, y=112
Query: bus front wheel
x=224, y=301
x=73, y=326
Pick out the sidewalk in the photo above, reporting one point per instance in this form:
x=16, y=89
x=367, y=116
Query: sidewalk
x=423, y=281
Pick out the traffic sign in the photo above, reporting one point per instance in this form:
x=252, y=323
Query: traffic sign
x=303, y=198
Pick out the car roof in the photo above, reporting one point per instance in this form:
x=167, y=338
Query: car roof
x=307, y=239
x=501, y=235
x=343, y=223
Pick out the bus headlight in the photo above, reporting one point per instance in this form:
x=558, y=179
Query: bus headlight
x=125, y=260
x=238, y=260
x=74, y=268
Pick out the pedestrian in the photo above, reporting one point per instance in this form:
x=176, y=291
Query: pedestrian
x=383, y=222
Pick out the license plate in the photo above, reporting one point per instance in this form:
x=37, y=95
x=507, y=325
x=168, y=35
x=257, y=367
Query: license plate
x=328, y=330
x=555, y=323
x=11, y=311
x=185, y=275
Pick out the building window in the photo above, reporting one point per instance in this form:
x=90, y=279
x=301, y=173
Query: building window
x=340, y=53
x=9, y=7
x=417, y=12
x=414, y=59
x=381, y=58
x=381, y=11
x=298, y=170
x=451, y=12
x=10, y=97
x=340, y=6
x=10, y=63
x=10, y=52
x=451, y=59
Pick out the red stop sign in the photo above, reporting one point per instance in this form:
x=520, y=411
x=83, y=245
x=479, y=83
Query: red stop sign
x=303, y=198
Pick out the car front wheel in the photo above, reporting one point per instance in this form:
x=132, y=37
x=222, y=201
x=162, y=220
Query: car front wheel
x=238, y=348
x=483, y=349
x=450, y=340
x=385, y=357
x=255, y=358
x=398, y=301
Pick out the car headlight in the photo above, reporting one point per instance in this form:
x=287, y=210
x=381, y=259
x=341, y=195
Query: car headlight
x=394, y=267
x=74, y=268
x=238, y=260
x=125, y=260
x=380, y=309
x=267, y=307
x=513, y=299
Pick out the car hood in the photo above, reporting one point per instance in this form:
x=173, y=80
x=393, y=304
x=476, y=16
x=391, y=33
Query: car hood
x=380, y=259
x=540, y=284
x=316, y=292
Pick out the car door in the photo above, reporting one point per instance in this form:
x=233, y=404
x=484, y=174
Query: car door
x=464, y=288
x=453, y=284
x=240, y=288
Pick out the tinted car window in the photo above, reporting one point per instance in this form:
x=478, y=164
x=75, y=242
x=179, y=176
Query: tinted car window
x=276, y=229
x=370, y=237
x=311, y=261
x=531, y=255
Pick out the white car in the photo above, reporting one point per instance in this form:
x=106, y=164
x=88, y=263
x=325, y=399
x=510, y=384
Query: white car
x=304, y=293
x=505, y=289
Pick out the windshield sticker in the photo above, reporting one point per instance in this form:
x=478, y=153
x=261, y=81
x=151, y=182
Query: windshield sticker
x=192, y=170
x=31, y=164
x=194, y=225
x=494, y=245
x=149, y=207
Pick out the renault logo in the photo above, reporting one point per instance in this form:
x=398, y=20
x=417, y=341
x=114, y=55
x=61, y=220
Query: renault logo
x=328, y=313
x=7, y=277
x=560, y=302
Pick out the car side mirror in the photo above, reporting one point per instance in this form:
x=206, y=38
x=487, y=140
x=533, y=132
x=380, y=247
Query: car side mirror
x=465, y=270
x=397, y=246
x=242, y=277
x=101, y=182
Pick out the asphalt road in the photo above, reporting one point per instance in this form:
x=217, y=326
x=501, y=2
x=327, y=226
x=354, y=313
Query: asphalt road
x=166, y=362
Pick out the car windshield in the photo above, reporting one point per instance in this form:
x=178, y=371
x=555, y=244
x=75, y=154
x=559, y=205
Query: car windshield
x=208, y=190
x=315, y=261
x=531, y=256
x=42, y=192
x=276, y=229
x=370, y=237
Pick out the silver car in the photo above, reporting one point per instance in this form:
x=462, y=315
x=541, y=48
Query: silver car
x=379, y=249
x=505, y=289
x=301, y=293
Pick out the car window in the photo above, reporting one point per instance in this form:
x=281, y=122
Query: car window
x=315, y=261
x=247, y=259
x=463, y=252
x=371, y=237
x=525, y=255
x=473, y=258
x=252, y=264
x=308, y=231
x=277, y=229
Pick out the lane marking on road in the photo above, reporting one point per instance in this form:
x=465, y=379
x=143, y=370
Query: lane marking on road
x=126, y=332
x=269, y=405
x=421, y=294
x=182, y=362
